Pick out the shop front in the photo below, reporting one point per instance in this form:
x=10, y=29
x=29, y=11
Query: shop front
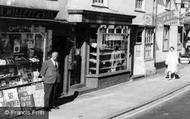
x=24, y=45
x=103, y=42
x=168, y=33
x=143, y=50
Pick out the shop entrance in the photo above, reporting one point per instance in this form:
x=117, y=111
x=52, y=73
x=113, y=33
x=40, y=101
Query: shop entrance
x=70, y=62
x=59, y=44
x=75, y=69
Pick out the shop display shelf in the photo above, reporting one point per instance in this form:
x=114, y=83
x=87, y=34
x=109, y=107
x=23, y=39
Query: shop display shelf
x=4, y=65
x=9, y=87
x=92, y=68
x=110, y=67
x=94, y=54
x=110, y=53
x=2, y=78
x=104, y=61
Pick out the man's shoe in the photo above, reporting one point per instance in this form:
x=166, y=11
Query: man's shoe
x=47, y=109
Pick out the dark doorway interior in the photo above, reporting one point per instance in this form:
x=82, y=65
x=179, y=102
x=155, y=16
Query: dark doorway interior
x=59, y=44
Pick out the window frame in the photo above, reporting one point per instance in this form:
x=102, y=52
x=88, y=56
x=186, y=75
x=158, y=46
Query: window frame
x=165, y=49
x=149, y=43
x=142, y=6
x=100, y=3
x=179, y=38
x=105, y=52
x=137, y=36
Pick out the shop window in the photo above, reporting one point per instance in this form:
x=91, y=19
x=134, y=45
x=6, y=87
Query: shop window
x=24, y=51
x=139, y=37
x=110, y=52
x=21, y=56
x=166, y=38
x=179, y=38
x=149, y=39
x=139, y=5
x=101, y=3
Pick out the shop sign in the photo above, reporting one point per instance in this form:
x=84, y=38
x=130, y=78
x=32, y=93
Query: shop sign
x=25, y=96
x=27, y=13
x=11, y=97
x=147, y=19
x=19, y=28
x=167, y=18
x=113, y=37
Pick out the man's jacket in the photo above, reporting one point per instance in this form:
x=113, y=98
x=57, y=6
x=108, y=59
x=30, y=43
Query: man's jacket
x=50, y=72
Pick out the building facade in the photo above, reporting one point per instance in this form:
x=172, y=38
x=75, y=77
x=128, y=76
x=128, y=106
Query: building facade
x=168, y=30
x=26, y=34
x=111, y=41
x=100, y=42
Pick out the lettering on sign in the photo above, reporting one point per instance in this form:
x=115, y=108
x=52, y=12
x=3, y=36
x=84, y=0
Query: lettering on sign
x=168, y=17
x=27, y=13
x=19, y=28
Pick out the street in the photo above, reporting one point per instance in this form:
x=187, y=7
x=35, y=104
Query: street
x=176, y=108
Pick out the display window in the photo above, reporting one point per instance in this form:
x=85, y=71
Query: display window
x=109, y=51
x=21, y=56
x=149, y=39
x=179, y=38
x=166, y=38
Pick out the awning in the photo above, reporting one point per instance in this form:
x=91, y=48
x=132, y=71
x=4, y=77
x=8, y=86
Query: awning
x=99, y=17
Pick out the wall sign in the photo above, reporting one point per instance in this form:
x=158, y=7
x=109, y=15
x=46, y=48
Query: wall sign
x=147, y=19
x=167, y=18
x=19, y=28
x=27, y=13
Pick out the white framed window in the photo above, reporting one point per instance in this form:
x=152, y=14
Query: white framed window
x=166, y=38
x=149, y=40
x=101, y=3
x=139, y=5
x=113, y=51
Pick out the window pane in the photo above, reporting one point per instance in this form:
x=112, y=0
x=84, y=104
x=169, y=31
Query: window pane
x=148, y=44
x=166, y=38
x=139, y=4
x=113, y=51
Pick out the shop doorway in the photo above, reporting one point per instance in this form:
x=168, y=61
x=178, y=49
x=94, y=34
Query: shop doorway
x=59, y=44
x=70, y=62
x=75, y=70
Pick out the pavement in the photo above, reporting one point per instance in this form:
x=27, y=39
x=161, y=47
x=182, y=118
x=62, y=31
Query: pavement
x=116, y=100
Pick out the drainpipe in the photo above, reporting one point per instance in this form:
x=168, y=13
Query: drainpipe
x=155, y=8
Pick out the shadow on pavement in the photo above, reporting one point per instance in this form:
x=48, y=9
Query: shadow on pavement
x=67, y=99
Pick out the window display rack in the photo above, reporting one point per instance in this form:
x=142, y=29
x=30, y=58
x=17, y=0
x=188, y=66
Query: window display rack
x=21, y=56
x=18, y=78
x=108, y=52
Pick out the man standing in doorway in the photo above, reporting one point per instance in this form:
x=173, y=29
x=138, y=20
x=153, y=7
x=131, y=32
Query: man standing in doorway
x=51, y=77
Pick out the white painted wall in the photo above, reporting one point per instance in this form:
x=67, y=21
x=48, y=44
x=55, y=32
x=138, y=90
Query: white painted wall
x=38, y=4
x=125, y=7
x=160, y=54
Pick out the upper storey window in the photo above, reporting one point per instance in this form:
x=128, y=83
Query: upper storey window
x=139, y=5
x=101, y=3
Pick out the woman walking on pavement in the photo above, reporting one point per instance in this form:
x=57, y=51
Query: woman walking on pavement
x=172, y=63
